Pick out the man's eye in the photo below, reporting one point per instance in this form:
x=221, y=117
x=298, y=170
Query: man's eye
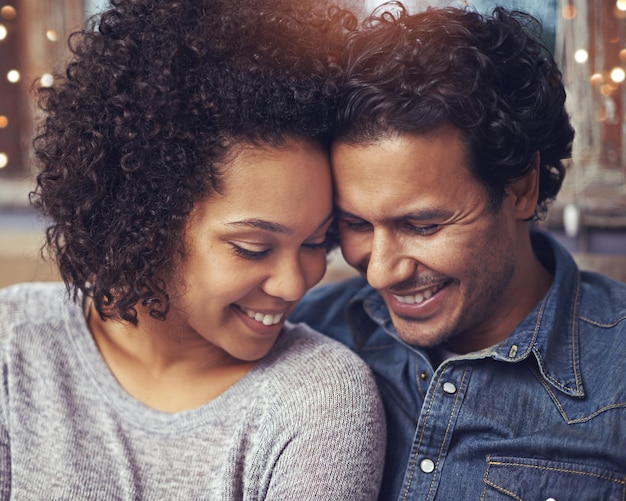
x=423, y=230
x=249, y=254
x=356, y=225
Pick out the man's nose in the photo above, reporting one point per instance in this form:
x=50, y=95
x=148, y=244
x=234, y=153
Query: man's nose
x=388, y=262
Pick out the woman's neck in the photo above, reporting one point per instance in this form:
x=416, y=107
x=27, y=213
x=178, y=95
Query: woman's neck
x=159, y=367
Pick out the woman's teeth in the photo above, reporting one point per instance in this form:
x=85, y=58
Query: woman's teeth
x=262, y=317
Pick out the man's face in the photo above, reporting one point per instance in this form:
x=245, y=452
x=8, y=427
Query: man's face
x=419, y=226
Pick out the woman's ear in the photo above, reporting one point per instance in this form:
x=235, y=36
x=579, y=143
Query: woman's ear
x=525, y=192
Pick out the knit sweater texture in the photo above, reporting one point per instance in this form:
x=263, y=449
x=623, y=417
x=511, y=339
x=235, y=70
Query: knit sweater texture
x=305, y=423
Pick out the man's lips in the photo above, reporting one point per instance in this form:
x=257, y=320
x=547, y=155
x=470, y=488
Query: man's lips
x=418, y=297
x=416, y=304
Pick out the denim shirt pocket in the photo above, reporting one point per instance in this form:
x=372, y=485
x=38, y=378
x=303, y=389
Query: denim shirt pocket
x=527, y=479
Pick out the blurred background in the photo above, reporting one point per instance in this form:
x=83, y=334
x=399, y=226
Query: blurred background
x=587, y=37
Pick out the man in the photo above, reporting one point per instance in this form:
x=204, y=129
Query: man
x=501, y=365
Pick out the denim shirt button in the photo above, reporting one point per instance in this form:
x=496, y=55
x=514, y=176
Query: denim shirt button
x=550, y=499
x=449, y=388
x=427, y=465
x=423, y=375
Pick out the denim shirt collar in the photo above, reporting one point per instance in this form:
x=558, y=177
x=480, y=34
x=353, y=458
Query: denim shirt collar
x=549, y=332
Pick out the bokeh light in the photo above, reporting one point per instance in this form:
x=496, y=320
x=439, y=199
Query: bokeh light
x=581, y=56
x=618, y=75
x=8, y=12
x=13, y=76
x=568, y=11
x=596, y=78
x=46, y=80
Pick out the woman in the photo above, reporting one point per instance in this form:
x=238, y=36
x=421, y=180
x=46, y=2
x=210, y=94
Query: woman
x=184, y=169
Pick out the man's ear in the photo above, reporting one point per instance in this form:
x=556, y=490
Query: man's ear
x=525, y=192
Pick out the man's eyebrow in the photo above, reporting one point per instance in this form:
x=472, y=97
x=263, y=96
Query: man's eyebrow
x=427, y=215
x=422, y=215
x=339, y=212
x=261, y=224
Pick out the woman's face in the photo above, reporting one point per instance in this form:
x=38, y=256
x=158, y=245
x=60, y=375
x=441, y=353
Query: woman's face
x=254, y=249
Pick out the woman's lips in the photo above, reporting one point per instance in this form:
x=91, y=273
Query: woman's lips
x=264, y=318
x=261, y=322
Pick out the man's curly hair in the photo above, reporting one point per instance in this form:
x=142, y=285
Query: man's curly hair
x=155, y=95
x=490, y=76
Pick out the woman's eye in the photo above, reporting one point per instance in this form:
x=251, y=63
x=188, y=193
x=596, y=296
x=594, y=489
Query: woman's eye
x=315, y=245
x=249, y=254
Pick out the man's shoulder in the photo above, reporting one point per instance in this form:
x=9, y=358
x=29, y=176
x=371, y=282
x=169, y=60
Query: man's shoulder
x=595, y=298
x=601, y=332
x=602, y=301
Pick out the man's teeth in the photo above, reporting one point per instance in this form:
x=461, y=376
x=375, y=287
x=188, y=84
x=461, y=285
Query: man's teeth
x=263, y=318
x=416, y=298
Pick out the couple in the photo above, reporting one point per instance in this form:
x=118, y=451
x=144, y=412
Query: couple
x=184, y=163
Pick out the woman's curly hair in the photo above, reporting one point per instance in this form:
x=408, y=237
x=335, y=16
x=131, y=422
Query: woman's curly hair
x=133, y=133
x=490, y=76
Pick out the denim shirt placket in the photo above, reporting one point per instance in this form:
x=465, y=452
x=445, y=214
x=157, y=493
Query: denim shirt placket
x=446, y=388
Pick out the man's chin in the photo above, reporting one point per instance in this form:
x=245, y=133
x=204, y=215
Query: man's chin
x=417, y=332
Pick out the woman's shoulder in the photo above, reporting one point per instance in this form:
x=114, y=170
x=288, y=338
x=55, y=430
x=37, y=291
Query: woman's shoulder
x=32, y=303
x=319, y=396
x=301, y=344
x=304, y=361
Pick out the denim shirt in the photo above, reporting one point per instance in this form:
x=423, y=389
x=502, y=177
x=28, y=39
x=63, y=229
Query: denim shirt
x=540, y=416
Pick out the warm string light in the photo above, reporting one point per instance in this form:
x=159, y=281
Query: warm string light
x=596, y=78
x=608, y=83
x=13, y=76
x=46, y=80
x=618, y=74
x=581, y=56
x=8, y=12
x=568, y=12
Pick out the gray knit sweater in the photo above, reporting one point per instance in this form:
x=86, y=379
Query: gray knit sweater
x=305, y=424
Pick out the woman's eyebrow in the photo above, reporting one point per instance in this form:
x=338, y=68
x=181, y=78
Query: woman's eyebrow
x=262, y=224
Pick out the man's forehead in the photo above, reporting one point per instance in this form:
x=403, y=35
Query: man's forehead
x=404, y=176
x=437, y=157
